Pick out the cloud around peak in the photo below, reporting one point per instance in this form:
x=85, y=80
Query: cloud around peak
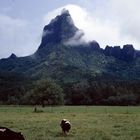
x=108, y=22
x=103, y=30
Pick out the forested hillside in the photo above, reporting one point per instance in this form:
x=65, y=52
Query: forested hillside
x=66, y=70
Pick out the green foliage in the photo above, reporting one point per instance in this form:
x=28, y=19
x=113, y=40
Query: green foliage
x=86, y=76
x=47, y=93
x=103, y=93
x=12, y=88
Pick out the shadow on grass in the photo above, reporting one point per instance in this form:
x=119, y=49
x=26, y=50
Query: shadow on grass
x=60, y=134
x=37, y=110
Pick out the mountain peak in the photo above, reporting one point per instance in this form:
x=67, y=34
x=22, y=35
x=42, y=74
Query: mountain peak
x=12, y=56
x=59, y=30
x=65, y=12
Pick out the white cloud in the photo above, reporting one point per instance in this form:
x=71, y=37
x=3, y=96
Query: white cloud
x=46, y=33
x=127, y=14
x=112, y=22
x=77, y=39
x=106, y=31
x=16, y=36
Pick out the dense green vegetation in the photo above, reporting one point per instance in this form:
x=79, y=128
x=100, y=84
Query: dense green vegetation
x=46, y=93
x=62, y=73
x=16, y=89
x=88, y=122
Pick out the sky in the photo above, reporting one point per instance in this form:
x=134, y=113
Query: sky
x=109, y=22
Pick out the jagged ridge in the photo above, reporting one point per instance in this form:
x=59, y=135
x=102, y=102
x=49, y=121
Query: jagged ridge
x=57, y=60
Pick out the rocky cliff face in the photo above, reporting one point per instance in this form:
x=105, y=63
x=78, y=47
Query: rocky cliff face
x=94, y=46
x=127, y=53
x=60, y=29
x=64, y=61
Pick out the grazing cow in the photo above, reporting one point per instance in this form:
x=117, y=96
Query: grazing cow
x=7, y=134
x=65, y=125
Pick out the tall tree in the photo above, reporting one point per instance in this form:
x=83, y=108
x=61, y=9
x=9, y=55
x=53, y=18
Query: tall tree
x=47, y=93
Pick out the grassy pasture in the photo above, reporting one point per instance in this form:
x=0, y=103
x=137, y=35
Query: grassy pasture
x=88, y=122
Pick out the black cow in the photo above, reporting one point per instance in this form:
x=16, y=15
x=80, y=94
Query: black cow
x=7, y=134
x=65, y=125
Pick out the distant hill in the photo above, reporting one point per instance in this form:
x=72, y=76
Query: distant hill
x=63, y=57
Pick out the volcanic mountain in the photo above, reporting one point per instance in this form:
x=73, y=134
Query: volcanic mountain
x=63, y=56
x=86, y=73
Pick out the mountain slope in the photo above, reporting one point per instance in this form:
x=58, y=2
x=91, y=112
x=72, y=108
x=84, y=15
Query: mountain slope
x=86, y=73
x=70, y=63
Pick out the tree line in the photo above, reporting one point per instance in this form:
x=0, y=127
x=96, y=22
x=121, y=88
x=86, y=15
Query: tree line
x=17, y=89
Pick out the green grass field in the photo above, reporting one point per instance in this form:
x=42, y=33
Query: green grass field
x=88, y=122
